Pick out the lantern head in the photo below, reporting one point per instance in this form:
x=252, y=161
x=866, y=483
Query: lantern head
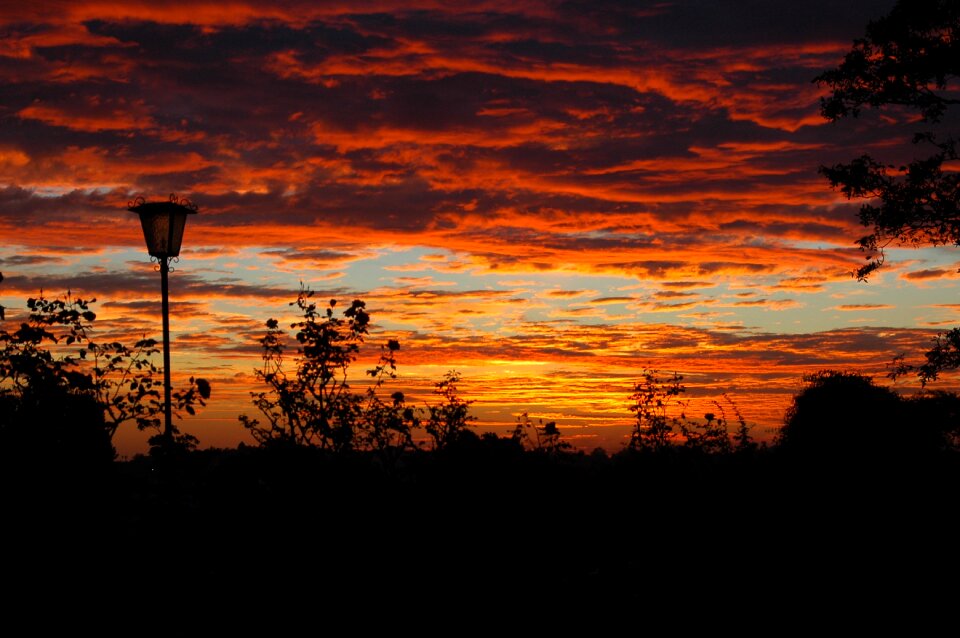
x=163, y=224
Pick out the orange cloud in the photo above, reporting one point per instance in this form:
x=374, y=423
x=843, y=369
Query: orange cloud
x=930, y=273
x=863, y=306
x=98, y=118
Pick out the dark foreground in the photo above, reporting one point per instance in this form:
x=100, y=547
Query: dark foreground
x=484, y=523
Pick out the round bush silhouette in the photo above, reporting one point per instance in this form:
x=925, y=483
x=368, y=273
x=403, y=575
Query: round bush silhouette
x=843, y=414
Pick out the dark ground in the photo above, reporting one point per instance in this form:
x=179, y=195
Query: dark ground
x=486, y=523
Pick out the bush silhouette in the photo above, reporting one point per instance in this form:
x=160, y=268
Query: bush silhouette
x=844, y=414
x=658, y=410
x=61, y=389
x=314, y=404
x=448, y=422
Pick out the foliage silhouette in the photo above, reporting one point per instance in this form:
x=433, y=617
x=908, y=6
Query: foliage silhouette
x=546, y=436
x=661, y=422
x=711, y=435
x=838, y=411
x=315, y=406
x=943, y=356
x=447, y=422
x=654, y=403
x=51, y=362
x=387, y=428
x=908, y=59
x=742, y=441
x=844, y=416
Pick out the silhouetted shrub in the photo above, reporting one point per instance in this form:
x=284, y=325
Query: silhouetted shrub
x=662, y=423
x=61, y=387
x=540, y=437
x=658, y=409
x=843, y=414
x=448, y=421
x=312, y=403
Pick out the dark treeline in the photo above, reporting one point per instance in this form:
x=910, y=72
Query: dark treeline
x=337, y=487
x=481, y=519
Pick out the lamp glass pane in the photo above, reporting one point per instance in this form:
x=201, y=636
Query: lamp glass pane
x=177, y=223
x=156, y=231
x=163, y=232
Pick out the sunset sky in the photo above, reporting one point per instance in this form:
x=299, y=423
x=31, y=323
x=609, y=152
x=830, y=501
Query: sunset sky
x=545, y=196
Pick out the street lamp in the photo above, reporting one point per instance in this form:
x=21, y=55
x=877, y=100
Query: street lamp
x=163, y=224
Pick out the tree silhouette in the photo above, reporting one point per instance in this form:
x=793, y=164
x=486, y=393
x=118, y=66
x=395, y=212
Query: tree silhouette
x=944, y=355
x=314, y=406
x=908, y=60
x=845, y=417
x=49, y=408
x=56, y=383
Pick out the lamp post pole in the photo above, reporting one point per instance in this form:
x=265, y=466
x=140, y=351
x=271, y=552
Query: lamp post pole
x=163, y=224
x=167, y=386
